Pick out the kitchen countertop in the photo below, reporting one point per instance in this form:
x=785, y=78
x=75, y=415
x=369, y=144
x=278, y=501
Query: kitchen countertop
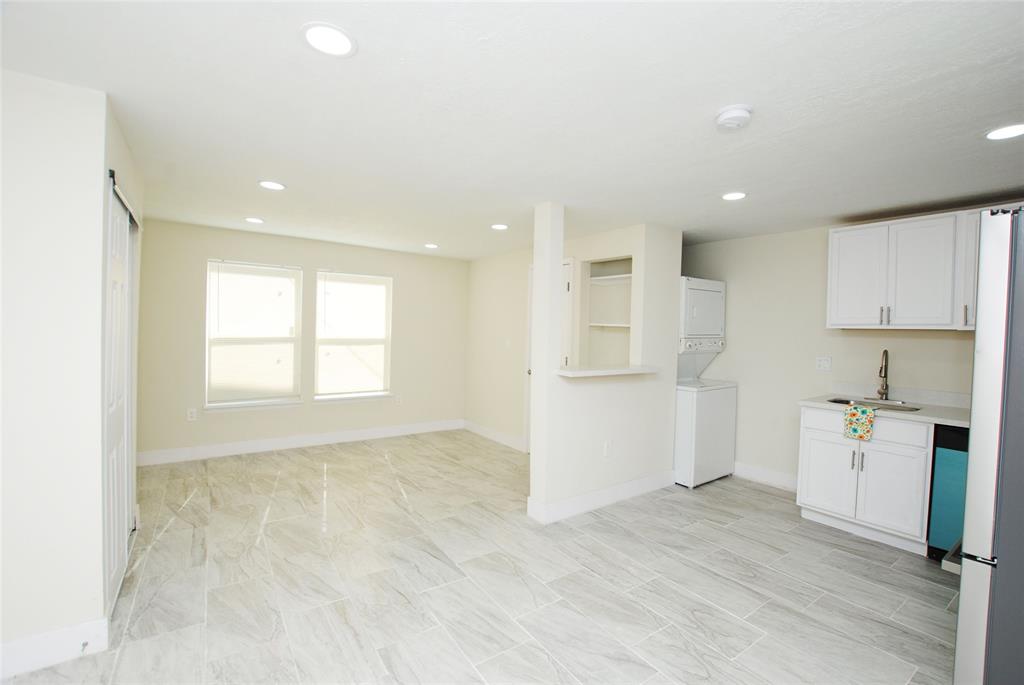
x=929, y=413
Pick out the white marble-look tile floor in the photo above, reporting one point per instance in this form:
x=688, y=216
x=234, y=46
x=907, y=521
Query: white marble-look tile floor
x=412, y=560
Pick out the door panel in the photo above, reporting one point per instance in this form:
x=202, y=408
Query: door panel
x=891, y=487
x=828, y=475
x=921, y=272
x=118, y=505
x=858, y=276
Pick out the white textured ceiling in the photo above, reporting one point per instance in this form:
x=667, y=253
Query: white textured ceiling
x=452, y=117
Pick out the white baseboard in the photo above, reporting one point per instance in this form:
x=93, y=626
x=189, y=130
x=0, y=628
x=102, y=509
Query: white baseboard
x=912, y=546
x=516, y=443
x=177, y=454
x=47, y=649
x=549, y=512
x=778, y=479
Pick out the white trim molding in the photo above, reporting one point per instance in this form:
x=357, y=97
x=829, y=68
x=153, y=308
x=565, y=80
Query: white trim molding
x=170, y=456
x=57, y=646
x=515, y=442
x=549, y=512
x=778, y=479
x=866, y=532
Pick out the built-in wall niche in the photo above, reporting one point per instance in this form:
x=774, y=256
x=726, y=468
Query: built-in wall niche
x=608, y=291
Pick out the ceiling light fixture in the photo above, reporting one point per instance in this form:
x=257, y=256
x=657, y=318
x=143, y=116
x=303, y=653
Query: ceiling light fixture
x=254, y=220
x=271, y=185
x=430, y=246
x=737, y=195
x=329, y=39
x=1004, y=132
x=733, y=117
x=499, y=227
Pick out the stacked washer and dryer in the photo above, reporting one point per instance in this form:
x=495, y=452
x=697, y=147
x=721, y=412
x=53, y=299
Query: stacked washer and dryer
x=705, y=444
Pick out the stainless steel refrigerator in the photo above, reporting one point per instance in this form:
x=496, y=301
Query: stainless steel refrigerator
x=990, y=625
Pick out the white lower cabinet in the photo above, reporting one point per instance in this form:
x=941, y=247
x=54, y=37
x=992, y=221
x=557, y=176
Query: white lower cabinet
x=875, y=485
x=828, y=472
x=891, y=487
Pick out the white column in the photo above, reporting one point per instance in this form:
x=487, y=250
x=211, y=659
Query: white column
x=545, y=343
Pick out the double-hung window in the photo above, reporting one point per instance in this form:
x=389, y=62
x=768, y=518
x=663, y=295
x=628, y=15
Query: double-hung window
x=252, y=333
x=353, y=334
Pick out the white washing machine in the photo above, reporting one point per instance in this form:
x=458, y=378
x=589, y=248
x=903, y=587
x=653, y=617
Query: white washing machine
x=705, y=446
x=705, y=440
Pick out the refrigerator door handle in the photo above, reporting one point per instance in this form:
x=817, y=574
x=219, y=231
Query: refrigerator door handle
x=981, y=560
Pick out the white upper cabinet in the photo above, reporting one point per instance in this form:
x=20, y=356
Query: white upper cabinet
x=921, y=273
x=968, y=232
x=858, y=277
x=913, y=273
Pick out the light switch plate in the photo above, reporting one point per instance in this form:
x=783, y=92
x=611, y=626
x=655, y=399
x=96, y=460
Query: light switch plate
x=191, y=414
x=823, y=363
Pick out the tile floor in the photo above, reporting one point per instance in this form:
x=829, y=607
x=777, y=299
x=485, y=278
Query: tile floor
x=412, y=560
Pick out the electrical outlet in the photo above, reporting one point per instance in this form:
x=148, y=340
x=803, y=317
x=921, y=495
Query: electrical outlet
x=191, y=414
x=823, y=363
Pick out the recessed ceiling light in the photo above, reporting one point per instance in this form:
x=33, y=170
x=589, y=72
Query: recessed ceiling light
x=1004, y=132
x=734, y=196
x=499, y=227
x=254, y=220
x=271, y=185
x=329, y=40
x=430, y=246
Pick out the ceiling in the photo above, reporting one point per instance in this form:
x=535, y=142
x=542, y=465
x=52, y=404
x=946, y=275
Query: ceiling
x=452, y=117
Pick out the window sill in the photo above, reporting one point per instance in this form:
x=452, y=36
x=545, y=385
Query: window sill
x=252, y=404
x=354, y=396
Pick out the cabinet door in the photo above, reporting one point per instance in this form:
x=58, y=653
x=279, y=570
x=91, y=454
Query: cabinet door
x=857, y=276
x=921, y=266
x=828, y=475
x=968, y=231
x=891, y=487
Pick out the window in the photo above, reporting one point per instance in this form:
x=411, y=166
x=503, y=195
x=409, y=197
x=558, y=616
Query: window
x=252, y=333
x=353, y=334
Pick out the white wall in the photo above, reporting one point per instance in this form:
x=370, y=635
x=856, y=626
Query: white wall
x=54, y=159
x=775, y=327
x=629, y=417
x=427, y=356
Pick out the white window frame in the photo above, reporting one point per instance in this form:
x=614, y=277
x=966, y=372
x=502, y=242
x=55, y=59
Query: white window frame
x=295, y=340
x=388, y=283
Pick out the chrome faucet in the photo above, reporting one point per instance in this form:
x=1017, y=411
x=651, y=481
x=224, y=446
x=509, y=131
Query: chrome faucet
x=883, y=373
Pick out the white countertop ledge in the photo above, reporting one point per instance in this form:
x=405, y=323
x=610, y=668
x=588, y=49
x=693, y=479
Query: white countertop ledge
x=929, y=413
x=595, y=373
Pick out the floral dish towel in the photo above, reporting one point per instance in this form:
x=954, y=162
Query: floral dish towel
x=859, y=421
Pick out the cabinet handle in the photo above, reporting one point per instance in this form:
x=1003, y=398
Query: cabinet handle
x=853, y=458
x=965, y=315
x=880, y=310
x=888, y=315
x=861, y=461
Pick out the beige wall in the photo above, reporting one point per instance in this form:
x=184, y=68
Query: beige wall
x=775, y=327
x=496, y=359
x=428, y=338
x=57, y=142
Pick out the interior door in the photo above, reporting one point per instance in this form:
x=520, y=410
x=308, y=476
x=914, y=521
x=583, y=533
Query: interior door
x=857, y=276
x=118, y=507
x=828, y=472
x=891, y=488
x=921, y=272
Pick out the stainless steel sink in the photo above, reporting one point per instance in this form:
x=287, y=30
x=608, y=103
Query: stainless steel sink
x=890, y=405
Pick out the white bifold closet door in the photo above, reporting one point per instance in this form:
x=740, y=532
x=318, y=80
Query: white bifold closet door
x=118, y=464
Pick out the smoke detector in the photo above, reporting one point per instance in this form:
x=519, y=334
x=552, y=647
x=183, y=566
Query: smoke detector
x=733, y=117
